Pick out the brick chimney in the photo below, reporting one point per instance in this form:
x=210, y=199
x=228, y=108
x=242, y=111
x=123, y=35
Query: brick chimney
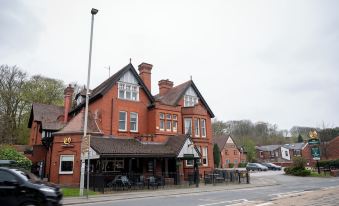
x=164, y=86
x=145, y=74
x=68, y=92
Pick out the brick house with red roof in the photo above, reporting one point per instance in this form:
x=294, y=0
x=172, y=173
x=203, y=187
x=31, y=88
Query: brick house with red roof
x=131, y=130
x=229, y=151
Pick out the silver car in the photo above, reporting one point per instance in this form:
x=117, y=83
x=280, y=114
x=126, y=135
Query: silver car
x=256, y=166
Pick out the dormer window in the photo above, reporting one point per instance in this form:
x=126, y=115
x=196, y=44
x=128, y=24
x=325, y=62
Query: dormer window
x=190, y=98
x=128, y=87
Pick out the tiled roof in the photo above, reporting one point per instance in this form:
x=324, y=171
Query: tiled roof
x=173, y=95
x=297, y=146
x=104, y=87
x=220, y=141
x=115, y=146
x=48, y=116
x=268, y=148
x=76, y=125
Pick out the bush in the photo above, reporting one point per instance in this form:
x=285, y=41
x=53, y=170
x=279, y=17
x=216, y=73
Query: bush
x=242, y=164
x=299, y=162
x=329, y=163
x=298, y=168
x=231, y=165
x=9, y=153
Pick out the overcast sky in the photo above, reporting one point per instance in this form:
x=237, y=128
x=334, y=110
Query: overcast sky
x=271, y=61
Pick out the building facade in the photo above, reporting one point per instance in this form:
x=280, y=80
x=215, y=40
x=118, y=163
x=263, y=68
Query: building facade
x=230, y=154
x=132, y=131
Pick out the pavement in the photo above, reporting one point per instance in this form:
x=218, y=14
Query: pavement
x=135, y=194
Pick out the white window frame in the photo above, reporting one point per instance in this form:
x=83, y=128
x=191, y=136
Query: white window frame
x=168, y=122
x=196, y=128
x=132, y=91
x=205, y=156
x=136, y=122
x=189, y=165
x=186, y=126
x=60, y=163
x=162, y=119
x=123, y=130
x=203, y=127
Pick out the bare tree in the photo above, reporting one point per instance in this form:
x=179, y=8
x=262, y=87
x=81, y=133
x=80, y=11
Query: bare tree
x=12, y=81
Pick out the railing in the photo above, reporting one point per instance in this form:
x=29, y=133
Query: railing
x=226, y=176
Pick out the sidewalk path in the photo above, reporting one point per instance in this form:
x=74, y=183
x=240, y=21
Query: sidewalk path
x=134, y=194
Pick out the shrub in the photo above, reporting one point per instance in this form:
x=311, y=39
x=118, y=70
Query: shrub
x=231, y=165
x=242, y=164
x=9, y=153
x=299, y=162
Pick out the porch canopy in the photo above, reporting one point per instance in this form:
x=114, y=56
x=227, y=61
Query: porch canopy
x=175, y=147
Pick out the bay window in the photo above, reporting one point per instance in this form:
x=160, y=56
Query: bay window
x=168, y=122
x=188, y=125
x=196, y=128
x=203, y=128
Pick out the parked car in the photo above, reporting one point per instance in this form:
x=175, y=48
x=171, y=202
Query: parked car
x=19, y=187
x=272, y=166
x=256, y=166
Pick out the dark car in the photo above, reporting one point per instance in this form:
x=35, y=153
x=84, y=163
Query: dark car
x=272, y=166
x=19, y=187
x=256, y=166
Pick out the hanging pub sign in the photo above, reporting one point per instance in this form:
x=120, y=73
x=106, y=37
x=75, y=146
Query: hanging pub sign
x=315, y=152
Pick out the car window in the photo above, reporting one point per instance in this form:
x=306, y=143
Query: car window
x=6, y=176
x=27, y=176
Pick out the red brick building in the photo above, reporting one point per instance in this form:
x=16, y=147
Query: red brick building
x=131, y=129
x=229, y=151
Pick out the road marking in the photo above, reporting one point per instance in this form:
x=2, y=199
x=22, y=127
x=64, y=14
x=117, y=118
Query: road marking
x=233, y=202
x=264, y=204
x=288, y=194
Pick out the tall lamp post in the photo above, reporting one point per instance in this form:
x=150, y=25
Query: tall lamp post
x=82, y=175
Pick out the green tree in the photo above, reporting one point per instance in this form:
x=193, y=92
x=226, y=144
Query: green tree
x=300, y=138
x=9, y=153
x=250, y=150
x=216, y=155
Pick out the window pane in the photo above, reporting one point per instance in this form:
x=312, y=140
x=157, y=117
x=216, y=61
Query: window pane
x=162, y=116
x=175, y=117
x=203, y=128
x=133, y=121
x=122, y=120
x=196, y=127
x=66, y=163
x=175, y=126
x=168, y=116
x=188, y=126
x=168, y=125
x=162, y=126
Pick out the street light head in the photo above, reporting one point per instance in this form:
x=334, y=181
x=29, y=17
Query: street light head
x=94, y=11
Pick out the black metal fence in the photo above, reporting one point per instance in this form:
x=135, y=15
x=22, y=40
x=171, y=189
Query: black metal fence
x=226, y=176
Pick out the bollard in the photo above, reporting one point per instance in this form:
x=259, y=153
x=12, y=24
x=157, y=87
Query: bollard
x=247, y=177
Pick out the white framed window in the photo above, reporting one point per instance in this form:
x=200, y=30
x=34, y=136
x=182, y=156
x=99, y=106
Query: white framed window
x=189, y=163
x=133, y=122
x=205, y=156
x=188, y=125
x=66, y=164
x=203, y=128
x=122, y=121
x=190, y=98
x=128, y=91
x=162, y=121
x=175, y=122
x=196, y=128
x=168, y=122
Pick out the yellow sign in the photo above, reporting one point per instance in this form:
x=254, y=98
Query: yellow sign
x=313, y=134
x=67, y=140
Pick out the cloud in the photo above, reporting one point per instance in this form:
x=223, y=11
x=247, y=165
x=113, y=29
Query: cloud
x=20, y=28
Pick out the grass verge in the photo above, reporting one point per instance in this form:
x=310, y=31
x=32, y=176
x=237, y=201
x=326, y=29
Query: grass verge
x=74, y=192
x=322, y=174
